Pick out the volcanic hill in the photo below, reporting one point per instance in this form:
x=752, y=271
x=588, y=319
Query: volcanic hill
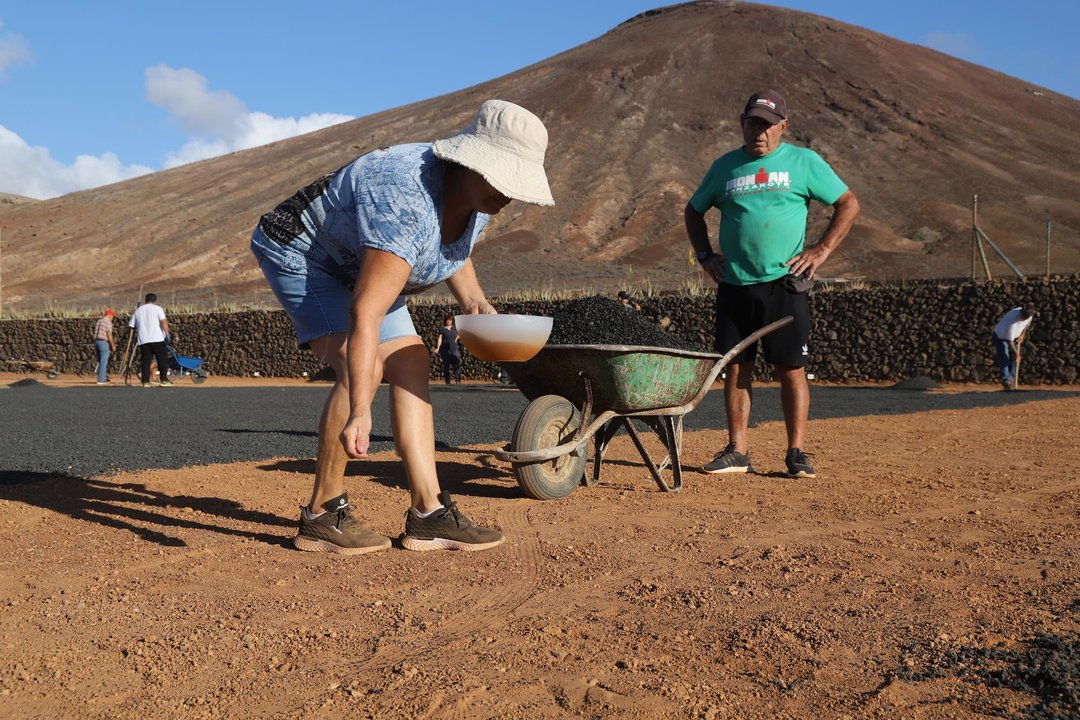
x=635, y=117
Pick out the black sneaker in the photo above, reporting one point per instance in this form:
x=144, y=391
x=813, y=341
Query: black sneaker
x=797, y=464
x=728, y=461
x=446, y=529
x=336, y=531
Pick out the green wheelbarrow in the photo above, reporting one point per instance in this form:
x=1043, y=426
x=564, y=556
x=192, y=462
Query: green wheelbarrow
x=567, y=384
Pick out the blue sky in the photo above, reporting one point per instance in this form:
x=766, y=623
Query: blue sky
x=96, y=92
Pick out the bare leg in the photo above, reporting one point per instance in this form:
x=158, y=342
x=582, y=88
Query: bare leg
x=795, y=398
x=331, y=458
x=738, y=397
x=406, y=362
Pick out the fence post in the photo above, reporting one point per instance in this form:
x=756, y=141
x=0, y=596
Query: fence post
x=974, y=235
x=1048, y=223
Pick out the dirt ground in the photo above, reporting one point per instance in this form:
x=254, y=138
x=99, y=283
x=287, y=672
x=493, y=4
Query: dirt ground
x=930, y=547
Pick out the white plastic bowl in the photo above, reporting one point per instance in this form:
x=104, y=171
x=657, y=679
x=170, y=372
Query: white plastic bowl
x=503, y=338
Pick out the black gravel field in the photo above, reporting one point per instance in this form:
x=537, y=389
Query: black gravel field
x=89, y=431
x=1046, y=667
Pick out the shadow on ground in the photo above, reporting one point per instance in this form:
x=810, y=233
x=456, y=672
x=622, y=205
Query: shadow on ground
x=133, y=507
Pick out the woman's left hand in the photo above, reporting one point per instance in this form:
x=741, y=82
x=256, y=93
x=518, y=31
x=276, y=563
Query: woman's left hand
x=466, y=289
x=480, y=307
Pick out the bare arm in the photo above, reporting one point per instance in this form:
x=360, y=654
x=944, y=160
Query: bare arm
x=466, y=289
x=382, y=276
x=698, y=232
x=1020, y=338
x=845, y=210
x=165, y=326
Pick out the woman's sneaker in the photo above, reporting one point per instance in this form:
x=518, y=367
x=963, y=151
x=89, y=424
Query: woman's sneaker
x=728, y=461
x=446, y=529
x=798, y=466
x=337, y=531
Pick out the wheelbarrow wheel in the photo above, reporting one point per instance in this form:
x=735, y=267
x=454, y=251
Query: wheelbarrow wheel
x=548, y=421
x=52, y=374
x=198, y=376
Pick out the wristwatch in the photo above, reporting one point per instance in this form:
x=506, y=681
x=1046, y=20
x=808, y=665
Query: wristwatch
x=703, y=255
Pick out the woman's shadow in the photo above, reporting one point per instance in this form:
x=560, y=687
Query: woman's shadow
x=132, y=506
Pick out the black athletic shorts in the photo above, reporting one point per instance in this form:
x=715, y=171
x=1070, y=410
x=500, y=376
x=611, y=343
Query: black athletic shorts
x=742, y=309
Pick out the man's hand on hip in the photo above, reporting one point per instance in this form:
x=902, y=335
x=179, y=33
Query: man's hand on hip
x=714, y=267
x=808, y=261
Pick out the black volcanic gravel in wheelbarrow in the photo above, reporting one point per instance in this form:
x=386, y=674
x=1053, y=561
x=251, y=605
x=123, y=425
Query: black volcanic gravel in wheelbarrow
x=598, y=320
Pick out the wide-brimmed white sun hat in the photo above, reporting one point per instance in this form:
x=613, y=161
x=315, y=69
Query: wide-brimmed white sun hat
x=505, y=143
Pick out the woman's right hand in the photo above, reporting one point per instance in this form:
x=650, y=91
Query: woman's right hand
x=356, y=436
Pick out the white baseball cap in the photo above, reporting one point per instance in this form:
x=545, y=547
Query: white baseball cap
x=505, y=143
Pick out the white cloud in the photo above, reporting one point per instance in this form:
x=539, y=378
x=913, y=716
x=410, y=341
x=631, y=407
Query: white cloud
x=217, y=123
x=185, y=95
x=956, y=44
x=33, y=172
x=13, y=49
x=220, y=121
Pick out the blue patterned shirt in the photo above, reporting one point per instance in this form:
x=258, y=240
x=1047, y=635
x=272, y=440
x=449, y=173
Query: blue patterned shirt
x=389, y=199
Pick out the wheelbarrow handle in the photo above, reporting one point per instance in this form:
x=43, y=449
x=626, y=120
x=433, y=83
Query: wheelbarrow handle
x=729, y=356
x=577, y=443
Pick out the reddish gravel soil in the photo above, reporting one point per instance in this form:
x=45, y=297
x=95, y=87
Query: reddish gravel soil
x=166, y=594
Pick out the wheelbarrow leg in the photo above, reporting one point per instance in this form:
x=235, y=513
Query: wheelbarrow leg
x=603, y=437
x=675, y=450
x=669, y=430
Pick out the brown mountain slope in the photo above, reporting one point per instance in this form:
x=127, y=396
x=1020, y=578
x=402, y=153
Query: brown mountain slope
x=7, y=199
x=635, y=117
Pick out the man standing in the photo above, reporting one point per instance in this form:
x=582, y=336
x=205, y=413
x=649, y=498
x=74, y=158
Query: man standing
x=763, y=271
x=104, y=344
x=1008, y=334
x=151, y=329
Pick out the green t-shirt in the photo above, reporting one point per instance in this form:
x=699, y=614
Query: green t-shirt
x=763, y=204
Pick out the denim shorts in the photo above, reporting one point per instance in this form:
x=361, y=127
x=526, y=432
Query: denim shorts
x=316, y=292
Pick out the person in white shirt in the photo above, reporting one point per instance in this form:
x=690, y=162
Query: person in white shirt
x=1008, y=334
x=151, y=329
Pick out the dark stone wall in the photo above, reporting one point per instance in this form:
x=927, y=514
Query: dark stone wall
x=865, y=333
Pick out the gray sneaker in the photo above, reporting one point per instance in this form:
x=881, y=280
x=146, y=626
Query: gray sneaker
x=798, y=466
x=446, y=529
x=337, y=531
x=728, y=461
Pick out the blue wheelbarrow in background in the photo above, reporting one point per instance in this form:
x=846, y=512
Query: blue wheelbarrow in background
x=185, y=365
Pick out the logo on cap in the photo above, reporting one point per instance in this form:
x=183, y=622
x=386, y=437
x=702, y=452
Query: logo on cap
x=767, y=104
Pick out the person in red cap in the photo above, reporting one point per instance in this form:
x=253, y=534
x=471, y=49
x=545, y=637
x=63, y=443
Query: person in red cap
x=764, y=270
x=104, y=344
